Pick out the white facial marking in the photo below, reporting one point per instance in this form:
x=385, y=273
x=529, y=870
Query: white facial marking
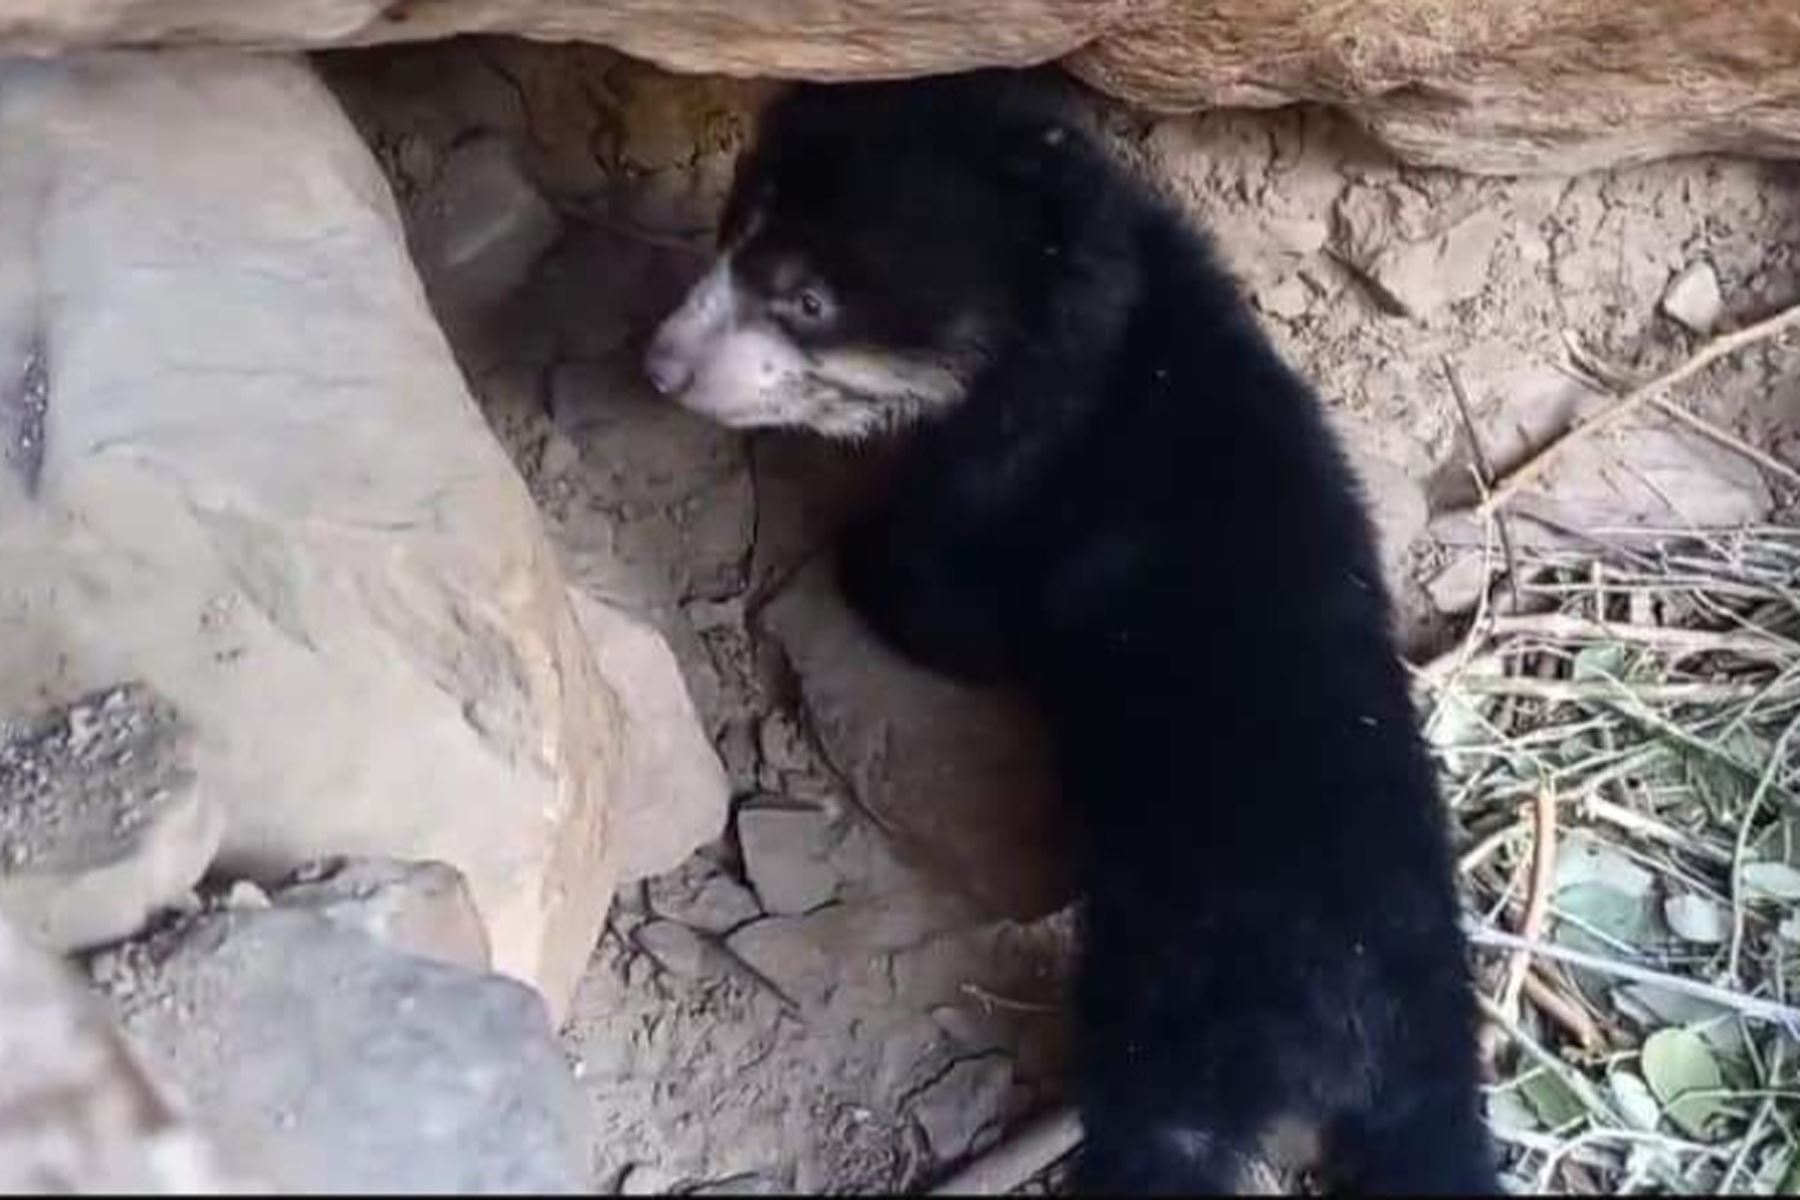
x=685, y=338
x=720, y=355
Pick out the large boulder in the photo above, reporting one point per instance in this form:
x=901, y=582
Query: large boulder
x=328, y=1060
x=842, y=39
x=1539, y=84
x=1563, y=85
x=239, y=465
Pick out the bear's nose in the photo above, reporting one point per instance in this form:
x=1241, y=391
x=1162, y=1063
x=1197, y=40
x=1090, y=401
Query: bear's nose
x=665, y=369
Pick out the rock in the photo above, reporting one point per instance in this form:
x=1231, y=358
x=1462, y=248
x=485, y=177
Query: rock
x=808, y=958
x=712, y=902
x=419, y=907
x=647, y=1179
x=787, y=856
x=786, y=954
x=958, y=776
x=336, y=1063
x=748, y=1184
x=954, y=1108
x=1457, y=588
x=244, y=894
x=101, y=819
x=1417, y=279
x=77, y=1114
x=1287, y=298
x=671, y=795
x=1561, y=87
x=1567, y=86
x=479, y=229
x=266, y=493
x=560, y=456
x=852, y=38
x=676, y=948
x=1649, y=476
x=1693, y=298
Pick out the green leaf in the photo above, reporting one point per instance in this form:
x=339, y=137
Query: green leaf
x=1697, y=918
x=1649, y=1005
x=1582, y=858
x=1790, y=1182
x=1677, y=1064
x=1615, y=914
x=1770, y=880
x=1509, y=1112
x=1606, y=660
x=1554, y=1102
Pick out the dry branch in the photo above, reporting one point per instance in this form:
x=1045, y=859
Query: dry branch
x=1720, y=347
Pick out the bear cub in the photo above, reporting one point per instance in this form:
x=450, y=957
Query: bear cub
x=1118, y=500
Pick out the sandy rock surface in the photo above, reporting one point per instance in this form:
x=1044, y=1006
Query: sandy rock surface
x=250, y=476
x=672, y=791
x=1535, y=85
x=1554, y=85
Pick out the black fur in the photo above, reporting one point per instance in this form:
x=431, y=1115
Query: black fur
x=1140, y=519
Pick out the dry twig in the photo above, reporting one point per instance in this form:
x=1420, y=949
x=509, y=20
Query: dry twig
x=1720, y=347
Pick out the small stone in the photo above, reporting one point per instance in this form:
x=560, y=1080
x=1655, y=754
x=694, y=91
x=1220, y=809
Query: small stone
x=750, y=1184
x=91, y=844
x=783, y=745
x=955, y=1107
x=786, y=856
x=716, y=904
x=1288, y=298
x=244, y=894
x=422, y=908
x=83, y=725
x=1456, y=588
x=417, y=160
x=783, y=952
x=647, y=1179
x=676, y=948
x=671, y=794
x=484, y=227
x=1416, y=279
x=1692, y=298
x=560, y=455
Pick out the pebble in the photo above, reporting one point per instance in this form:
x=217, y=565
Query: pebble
x=1692, y=298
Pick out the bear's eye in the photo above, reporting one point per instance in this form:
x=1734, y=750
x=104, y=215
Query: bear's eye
x=803, y=304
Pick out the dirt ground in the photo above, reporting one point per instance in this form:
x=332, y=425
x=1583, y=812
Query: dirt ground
x=860, y=985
